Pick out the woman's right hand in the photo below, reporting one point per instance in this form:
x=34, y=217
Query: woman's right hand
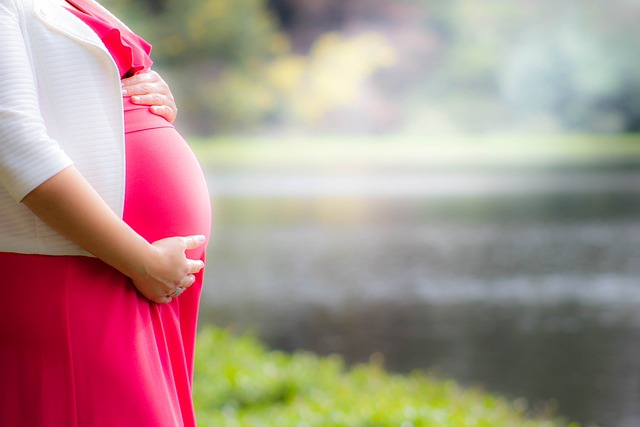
x=167, y=268
x=68, y=203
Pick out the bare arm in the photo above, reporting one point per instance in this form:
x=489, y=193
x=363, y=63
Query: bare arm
x=69, y=204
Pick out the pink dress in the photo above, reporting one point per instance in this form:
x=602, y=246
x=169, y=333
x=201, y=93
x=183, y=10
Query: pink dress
x=79, y=346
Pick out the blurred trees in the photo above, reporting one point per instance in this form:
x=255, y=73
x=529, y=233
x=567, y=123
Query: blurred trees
x=532, y=65
x=213, y=53
x=397, y=65
x=581, y=66
x=234, y=70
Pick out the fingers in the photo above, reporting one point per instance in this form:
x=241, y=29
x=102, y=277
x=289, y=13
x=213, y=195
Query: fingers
x=194, y=266
x=179, y=290
x=156, y=103
x=161, y=105
x=169, y=271
x=188, y=280
x=143, y=89
x=192, y=242
x=152, y=98
x=141, y=78
x=145, y=84
x=169, y=113
x=149, y=89
x=168, y=294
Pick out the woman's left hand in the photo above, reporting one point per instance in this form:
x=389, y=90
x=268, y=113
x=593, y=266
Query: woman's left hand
x=149, y=89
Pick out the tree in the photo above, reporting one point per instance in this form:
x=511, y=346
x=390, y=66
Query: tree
x=536, y=65
x=213, y=53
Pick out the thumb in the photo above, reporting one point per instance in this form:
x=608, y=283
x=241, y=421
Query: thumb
x=192, y=242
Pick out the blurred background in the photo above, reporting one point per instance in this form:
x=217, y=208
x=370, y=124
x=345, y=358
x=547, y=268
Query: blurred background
x=452, y=184
x=397, y=66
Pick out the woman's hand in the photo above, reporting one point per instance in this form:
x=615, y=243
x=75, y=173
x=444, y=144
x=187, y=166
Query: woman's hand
x=70, y=205
x=167, y=269
x=149, y=89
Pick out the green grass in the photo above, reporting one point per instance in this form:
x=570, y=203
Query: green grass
x=394, y=152
x=239, y=382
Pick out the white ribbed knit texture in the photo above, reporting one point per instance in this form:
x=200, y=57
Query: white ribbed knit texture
x=60, y=104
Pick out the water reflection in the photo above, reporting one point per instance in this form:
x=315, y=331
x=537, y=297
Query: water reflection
x=531, y=294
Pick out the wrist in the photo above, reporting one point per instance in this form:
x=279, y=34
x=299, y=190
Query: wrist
x=136, y=263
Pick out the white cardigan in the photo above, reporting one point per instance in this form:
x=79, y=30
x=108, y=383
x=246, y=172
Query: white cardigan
x=60, y=104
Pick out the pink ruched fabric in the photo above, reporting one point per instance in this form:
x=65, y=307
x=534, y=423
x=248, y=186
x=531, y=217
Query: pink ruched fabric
x=130, y=52
x=79, y=346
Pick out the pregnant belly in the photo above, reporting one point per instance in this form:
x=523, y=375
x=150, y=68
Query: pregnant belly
x=166, y=193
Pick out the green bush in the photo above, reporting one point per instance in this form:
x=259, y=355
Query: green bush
x=238, y=382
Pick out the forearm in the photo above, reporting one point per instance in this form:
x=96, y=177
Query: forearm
x=69, y=204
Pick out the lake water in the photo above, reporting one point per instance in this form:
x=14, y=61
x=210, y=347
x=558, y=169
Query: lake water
x=524, y=283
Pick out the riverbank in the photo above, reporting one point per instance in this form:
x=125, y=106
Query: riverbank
x=240, y=383
x=482, y=166
x=401, y=152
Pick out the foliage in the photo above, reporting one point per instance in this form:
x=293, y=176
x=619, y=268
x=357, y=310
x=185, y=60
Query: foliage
x=330, y=77
x=538, y=65
x=239, y=383
x=235, y=33
x=421, y=66
x=212, y=53
x=579, y=67
x=233, y=69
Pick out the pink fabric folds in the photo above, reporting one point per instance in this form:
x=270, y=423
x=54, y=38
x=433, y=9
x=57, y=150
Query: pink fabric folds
x=129, y=51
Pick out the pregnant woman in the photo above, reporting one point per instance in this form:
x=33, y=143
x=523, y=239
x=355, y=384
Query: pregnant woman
x=104, y=217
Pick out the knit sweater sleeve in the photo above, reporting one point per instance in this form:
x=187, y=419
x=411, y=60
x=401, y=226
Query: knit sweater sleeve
x=28, y=155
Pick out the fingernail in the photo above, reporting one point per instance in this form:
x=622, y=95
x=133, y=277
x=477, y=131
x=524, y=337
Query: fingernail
x=135, y=98
x=200, y=239
x=124, y=92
